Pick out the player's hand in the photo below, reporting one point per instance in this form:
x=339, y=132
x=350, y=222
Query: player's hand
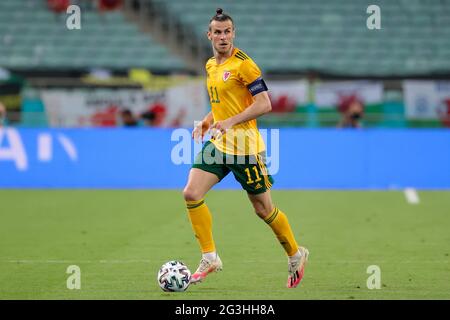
x=199, y=131
x=220, y=128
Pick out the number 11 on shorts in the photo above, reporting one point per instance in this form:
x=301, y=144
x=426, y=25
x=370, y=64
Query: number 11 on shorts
x=258, y=178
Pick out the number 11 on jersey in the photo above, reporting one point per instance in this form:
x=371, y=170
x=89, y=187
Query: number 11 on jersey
x=216, y=98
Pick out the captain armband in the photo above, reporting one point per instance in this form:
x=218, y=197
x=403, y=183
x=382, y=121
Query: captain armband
x=257, y=86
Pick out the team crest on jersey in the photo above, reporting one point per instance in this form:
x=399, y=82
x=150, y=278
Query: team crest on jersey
x=226, y=75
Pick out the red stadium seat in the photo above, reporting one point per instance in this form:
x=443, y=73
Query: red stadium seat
x=58, y=6
x=107, y=5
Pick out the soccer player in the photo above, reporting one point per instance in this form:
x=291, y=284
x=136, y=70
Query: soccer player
x=238, y=96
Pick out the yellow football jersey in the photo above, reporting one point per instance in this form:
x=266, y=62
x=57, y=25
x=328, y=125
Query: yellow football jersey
x=231, y=86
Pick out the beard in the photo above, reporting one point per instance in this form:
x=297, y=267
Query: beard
x=223, y=49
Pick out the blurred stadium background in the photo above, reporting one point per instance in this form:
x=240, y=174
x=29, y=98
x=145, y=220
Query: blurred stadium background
x=69, y=98
x=150, y=44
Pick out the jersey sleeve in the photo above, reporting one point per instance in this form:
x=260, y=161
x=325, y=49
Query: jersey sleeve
x=251, y=77
x=249, y=72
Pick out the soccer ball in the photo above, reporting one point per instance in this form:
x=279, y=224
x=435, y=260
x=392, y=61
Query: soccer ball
x=174, y=276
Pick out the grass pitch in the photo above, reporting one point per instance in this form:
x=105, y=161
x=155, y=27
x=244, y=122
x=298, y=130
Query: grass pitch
x=119, y=239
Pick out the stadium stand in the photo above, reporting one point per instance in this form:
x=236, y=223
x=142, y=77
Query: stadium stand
x=295, y=39
x=331, y=36
x=312, y=35
x=34, y=37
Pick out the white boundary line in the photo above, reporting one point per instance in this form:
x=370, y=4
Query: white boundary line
x=368, y=261
x=76, y=261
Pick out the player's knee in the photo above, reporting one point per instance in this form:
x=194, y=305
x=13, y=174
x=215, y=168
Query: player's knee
x=190, y=194
x=262, y=212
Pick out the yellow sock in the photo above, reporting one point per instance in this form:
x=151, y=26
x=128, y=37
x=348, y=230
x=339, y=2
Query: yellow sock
x=201, y=221
x=279, y=223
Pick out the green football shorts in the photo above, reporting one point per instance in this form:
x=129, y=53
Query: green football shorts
x=250, y=170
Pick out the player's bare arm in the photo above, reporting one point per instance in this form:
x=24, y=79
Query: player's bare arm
x=261, y=106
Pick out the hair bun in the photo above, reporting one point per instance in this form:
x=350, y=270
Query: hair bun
x=219, y=11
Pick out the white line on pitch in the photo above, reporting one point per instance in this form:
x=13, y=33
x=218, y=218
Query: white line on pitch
x=442, y=261
x=412, y=196
x=80, y=261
